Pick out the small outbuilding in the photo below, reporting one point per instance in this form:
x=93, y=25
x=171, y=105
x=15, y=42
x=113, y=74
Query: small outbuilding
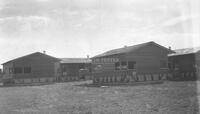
x=74, y=69
x=33, y=68
x=185, y=63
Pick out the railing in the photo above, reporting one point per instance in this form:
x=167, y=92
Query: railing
x=129, y=76
x=28, y=81
x=69, y=78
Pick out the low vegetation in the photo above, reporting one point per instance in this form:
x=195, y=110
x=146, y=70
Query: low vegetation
x=68, y=98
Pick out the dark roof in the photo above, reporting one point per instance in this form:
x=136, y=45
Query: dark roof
x=75, y=60
x=127, y=49
x=36, y=53
x=185, y=51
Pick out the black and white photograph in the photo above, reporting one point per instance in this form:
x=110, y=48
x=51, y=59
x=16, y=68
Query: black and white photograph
x=99, y=57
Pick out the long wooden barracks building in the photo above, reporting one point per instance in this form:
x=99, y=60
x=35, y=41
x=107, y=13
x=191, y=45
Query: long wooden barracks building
x=41, y=68
x=33, y=68
x=137, y=63
x=142, y=62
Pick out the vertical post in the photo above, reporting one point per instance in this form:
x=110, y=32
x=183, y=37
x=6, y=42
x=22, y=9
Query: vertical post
x=120, y=65
x=127, y=64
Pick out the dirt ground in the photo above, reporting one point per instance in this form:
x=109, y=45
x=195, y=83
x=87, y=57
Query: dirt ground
x=67, y=98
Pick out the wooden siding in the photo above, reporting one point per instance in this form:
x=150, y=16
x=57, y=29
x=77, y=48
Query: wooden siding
x=197, y=58
x=197, y=61
x=184, y=63
x=71, y=71
x=6, y=71
x=41, y=66
x=184, y=67
x=57, y=70
x=147, y=59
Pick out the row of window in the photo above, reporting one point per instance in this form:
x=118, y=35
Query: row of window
x=19, y=70
x=124, y=65
x=106, y=60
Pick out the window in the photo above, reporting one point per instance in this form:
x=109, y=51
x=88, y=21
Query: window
x=124, y=65
x=97, y=67
x=117, y=66
x=17, y=70
x=6, y=70
x=131, y=64
x=97, y=60
x=82, y=66
x=10, y=70
x=64, y=68
x=163, y=64
x=27, y=69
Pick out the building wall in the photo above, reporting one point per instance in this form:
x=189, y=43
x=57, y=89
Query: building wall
x=183, y=63
x=148, y=59
x=105, y=63
x=73, y=72
x=57, y=69
x=72, y=69
x=197, y=58
x=183, y=67
x=7, y=71
x=197, y=64
x=41, y=66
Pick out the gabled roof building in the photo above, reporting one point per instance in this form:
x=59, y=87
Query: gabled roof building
x=33, y=68
x=145, y=57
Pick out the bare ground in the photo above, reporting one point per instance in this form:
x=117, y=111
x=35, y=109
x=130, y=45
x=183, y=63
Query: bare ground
x=66, y=98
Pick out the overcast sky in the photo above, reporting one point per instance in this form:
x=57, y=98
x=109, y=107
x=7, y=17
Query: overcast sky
x=76, y=28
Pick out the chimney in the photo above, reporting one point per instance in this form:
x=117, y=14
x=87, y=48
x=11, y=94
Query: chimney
x=125, y=46
x=170, y=48
x=44, y=52
x=88, y=56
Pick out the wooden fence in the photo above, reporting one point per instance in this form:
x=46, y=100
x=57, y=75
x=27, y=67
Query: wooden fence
x=128, y=76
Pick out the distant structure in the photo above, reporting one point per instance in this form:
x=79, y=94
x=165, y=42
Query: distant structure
x=185, y=63
x=1, y=75
x=74, y=69
x=144, y=59
x=33, y=68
